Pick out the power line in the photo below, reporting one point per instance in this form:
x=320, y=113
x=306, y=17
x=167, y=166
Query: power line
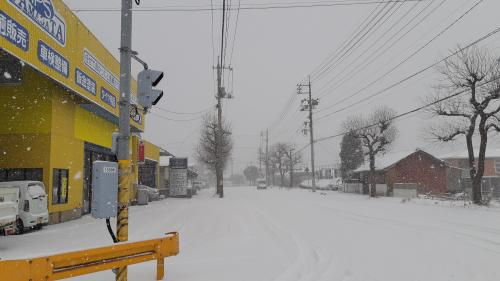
x=246, y=7
x=344, y=44
x=402, y=62
x=235, y=31
x=405, y=113
x=355, y=45
x=374, y=54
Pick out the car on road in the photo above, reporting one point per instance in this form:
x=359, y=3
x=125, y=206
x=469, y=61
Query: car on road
x=32, y=204
x=261, y=184
x=9, y=201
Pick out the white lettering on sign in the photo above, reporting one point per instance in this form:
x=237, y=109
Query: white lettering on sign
x=44, y=14
x=95, y=65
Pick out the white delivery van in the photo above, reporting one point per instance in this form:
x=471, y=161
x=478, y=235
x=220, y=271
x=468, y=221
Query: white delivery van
x=32, y=206
x=9, y=201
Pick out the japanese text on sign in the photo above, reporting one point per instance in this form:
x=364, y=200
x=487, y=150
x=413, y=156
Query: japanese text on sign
x=14, y=32
x=84, y=81
x=96, y=66
x=44, y=14
x=52, y=59
x=108, y=97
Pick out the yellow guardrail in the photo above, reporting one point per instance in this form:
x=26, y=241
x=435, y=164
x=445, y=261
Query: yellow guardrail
x=67, y=265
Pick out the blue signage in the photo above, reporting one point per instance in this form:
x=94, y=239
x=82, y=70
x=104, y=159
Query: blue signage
x=43, y=13
x=84, y=81
x=108, y=97
x=14, y=32
x=52, y=59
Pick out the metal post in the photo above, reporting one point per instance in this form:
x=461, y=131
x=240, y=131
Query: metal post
x=123, y=153
x=311, y=135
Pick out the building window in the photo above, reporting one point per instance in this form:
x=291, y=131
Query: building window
x=60, y=186
x=21, y=174
x=497, y=166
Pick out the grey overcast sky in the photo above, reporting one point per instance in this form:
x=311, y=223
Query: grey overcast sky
x=277, y=48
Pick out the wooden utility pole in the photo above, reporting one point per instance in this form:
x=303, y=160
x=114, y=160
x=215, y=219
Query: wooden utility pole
x=309, y=104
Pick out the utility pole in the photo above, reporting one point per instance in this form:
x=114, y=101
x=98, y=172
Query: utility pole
x=267, y=156
x=260, y=153
x=123, y=153
x=310, y=104
x=291, y=166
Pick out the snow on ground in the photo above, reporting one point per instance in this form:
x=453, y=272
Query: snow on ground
x=280, y=234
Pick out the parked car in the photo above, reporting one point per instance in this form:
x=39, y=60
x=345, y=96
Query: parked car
x=153, y=193
x=261, y=184
x=9, y=201
x=32, y=204
x=198, y=185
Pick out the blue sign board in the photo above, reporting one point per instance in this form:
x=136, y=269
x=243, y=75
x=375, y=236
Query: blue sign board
x=52, y=59
x=43, y=13
x=84, y=81
x=14, y=32
x=108, y=97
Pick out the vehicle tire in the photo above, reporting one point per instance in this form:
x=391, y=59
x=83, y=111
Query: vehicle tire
x=19, y=227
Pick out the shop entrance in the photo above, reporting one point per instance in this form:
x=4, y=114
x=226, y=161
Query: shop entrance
x=92, y=152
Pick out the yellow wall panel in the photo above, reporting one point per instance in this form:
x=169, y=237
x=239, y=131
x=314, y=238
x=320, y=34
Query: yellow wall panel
x=92, y=128
x=26, y=108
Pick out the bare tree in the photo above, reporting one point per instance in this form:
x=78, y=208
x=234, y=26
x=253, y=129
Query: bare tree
x=376, y=133
x=292, y=158
x=474, y=113
x=278, y=159
x=209, y=152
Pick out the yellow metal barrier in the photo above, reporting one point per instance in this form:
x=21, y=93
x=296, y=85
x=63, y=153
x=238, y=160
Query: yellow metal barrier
x=67, y=265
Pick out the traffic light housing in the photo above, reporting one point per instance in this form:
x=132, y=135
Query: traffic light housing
x=147, y=96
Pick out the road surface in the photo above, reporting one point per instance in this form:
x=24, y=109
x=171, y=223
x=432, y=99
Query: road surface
x=281, y=234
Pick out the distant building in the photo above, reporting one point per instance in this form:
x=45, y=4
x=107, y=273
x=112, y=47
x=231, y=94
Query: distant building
x=428, y=173
x=461, y=159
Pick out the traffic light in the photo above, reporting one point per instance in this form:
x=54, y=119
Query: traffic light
x=147, y=79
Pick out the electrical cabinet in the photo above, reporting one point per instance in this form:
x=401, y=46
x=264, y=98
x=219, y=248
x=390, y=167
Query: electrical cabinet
x=104, y=189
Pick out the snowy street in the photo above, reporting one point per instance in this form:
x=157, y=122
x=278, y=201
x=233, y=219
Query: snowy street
x=281, y=234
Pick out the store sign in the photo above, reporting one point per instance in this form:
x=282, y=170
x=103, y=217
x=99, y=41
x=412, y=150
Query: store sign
x=14, y=32
x=52, y=59
x=95, y=65
x=108, y=97
x=85, y=82
x=43, y=13
x=178, y=176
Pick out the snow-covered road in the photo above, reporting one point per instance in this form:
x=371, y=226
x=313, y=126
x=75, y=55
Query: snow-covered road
x=281, y=234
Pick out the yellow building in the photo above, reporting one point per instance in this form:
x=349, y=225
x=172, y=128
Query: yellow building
x=59, y=102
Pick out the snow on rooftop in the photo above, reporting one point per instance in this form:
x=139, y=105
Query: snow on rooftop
x=490, y=153
x=384, y=161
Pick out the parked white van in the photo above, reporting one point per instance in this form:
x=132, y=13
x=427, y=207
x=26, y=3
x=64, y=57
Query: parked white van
x=9, y=202
x=32, y=205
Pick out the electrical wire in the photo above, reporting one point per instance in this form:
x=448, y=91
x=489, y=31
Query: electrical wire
x=247, y=7
x=373, y=56
x=401, y=63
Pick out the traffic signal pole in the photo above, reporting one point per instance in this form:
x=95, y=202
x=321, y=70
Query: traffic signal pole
x=123, y=153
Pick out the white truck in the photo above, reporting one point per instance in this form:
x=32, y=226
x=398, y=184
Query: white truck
x=32, y=209
x=9, y=202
